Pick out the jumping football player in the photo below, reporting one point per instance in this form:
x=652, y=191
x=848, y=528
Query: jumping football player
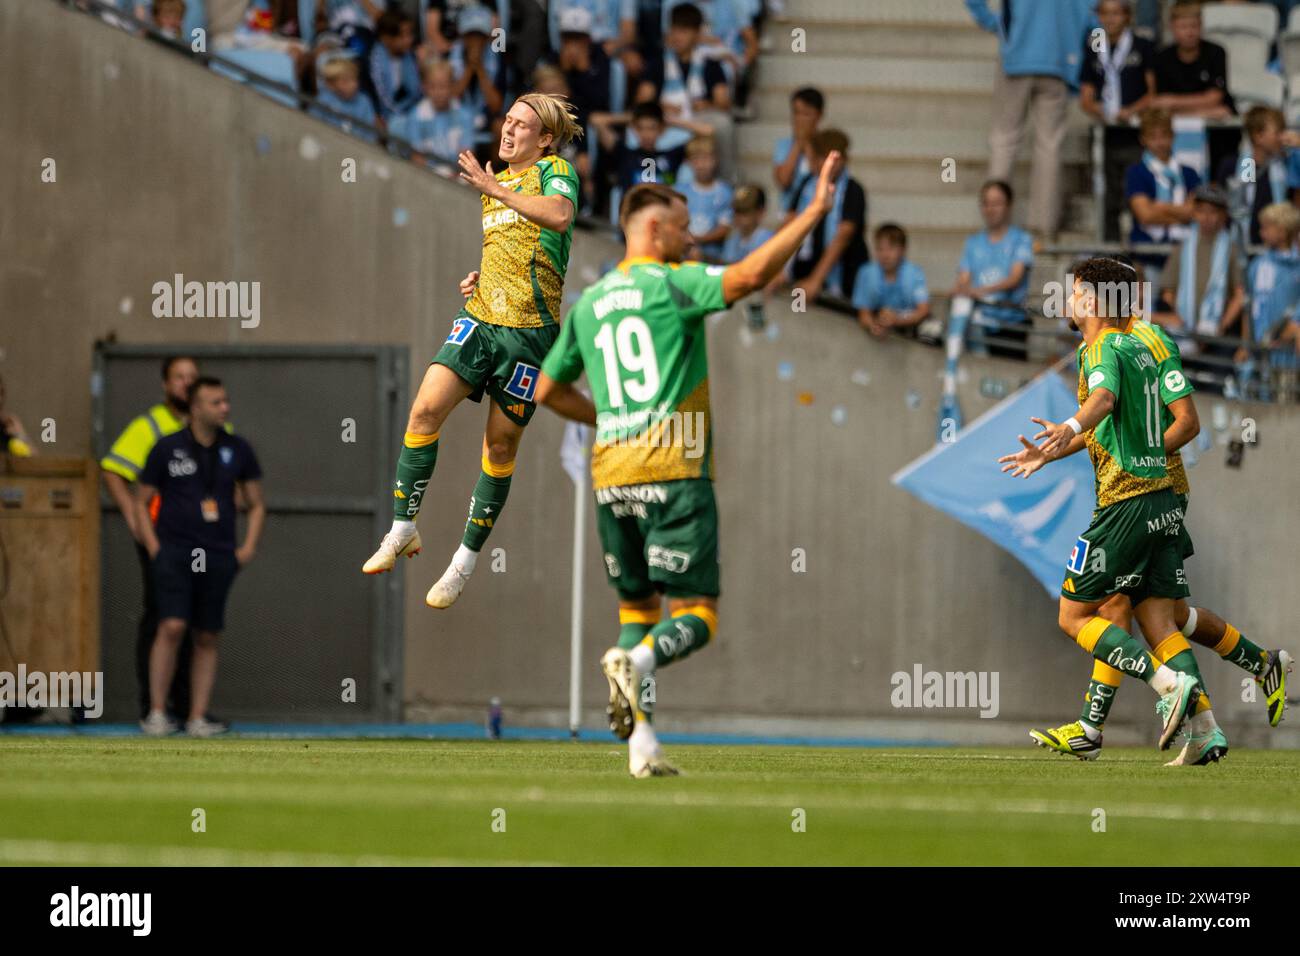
x=1136, y=541
x=500, y=336
x=639, y=335
x=1083, y=738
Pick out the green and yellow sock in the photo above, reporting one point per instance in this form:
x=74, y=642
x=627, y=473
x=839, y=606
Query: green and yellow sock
x=490, y=493
x=1175, y=653
x=1115, y=646
x=634, y=624
x=1101, y=694
x=414, y=469
x=1236, y=649
x=683, y=634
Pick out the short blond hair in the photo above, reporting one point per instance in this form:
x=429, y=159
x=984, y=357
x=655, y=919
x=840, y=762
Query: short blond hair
x=336, y=67
x=1283, y=215
x=432, y=66
x=701, y=146
x=558, y=116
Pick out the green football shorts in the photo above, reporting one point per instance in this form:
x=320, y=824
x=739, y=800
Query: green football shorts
x=1189, y=549
x=661, y=536
x=1134, y=547
x=499, y=360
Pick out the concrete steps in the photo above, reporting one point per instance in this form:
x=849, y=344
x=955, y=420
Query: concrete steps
x=911, y=83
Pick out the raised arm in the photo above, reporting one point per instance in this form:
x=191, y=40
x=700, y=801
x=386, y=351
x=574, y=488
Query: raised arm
x=763, y=264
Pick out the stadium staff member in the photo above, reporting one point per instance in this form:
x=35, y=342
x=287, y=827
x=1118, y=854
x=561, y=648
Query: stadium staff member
x=196, y=471
x=120, y=467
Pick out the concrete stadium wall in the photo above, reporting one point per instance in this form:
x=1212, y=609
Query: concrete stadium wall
x=163, y=168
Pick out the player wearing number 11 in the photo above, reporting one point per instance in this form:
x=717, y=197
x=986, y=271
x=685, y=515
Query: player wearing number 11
x=639, y=335
x=1136, y=542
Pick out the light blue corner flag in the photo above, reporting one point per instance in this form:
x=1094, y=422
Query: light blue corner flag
x=1037, y=519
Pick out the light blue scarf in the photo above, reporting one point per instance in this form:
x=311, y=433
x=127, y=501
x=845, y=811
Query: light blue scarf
x=1211, y=310
x=1169, y=188
x=1249, y=178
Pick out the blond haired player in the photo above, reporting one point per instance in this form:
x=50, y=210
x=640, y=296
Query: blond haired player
x=500, y=336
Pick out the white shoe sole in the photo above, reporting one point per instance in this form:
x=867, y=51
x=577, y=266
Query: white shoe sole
x=1170, y=730
x=622, y=677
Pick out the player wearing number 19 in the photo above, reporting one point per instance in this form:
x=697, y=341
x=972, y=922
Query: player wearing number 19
x=499, y=338
x=639, y=335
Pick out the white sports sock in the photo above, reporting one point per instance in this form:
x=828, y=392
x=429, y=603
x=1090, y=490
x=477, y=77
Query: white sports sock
x=643, y=659
x=402, y=527
x=643, y=737
x=1201, y=724
x=1166, y=679
x=465, y=559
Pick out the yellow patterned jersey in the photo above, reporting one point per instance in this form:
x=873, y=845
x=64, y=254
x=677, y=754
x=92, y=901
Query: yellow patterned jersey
x=521, y=277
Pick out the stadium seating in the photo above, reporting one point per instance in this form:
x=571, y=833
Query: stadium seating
x=1251, y=19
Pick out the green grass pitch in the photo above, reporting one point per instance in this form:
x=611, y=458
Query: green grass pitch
x=74, y=801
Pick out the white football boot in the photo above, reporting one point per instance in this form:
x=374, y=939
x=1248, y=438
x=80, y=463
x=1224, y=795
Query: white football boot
x=645, y=757
x=394, y=546
x=448, y=588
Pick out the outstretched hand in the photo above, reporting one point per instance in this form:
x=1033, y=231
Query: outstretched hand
x=475, y=175
x=824, y=197
x=1025, y=462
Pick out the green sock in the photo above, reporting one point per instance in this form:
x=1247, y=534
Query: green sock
x=1185, y=661
x=414, y=469
x=1121, y=651
x=490, y=493
x=1101, y=694
x=682, y=635
x=1236, y=649
x=630, y=635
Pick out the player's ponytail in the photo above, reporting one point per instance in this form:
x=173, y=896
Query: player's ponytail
x=558, y=116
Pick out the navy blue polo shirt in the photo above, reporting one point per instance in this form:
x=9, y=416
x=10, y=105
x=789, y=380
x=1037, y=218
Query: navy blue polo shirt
x=185, y=473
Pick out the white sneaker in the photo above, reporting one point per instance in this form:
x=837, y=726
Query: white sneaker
x=390, y=549
x=448, y=587
x=158, y=724
x=202, y=727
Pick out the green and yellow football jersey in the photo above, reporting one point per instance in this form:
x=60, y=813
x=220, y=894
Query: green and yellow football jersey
x=1127, y=448
x=521, y=278
x=1173, y=386
x=639, y=335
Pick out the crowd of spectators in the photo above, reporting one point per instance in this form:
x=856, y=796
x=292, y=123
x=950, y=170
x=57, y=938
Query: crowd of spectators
x=659, y=85
x=650, y=79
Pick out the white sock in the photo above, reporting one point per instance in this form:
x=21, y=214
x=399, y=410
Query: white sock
x=1201, y=724
x=403, y=528
x=643, y=737
x=1089, y=731
x=465, y=559
x=1166, y=679
x=643, y=659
